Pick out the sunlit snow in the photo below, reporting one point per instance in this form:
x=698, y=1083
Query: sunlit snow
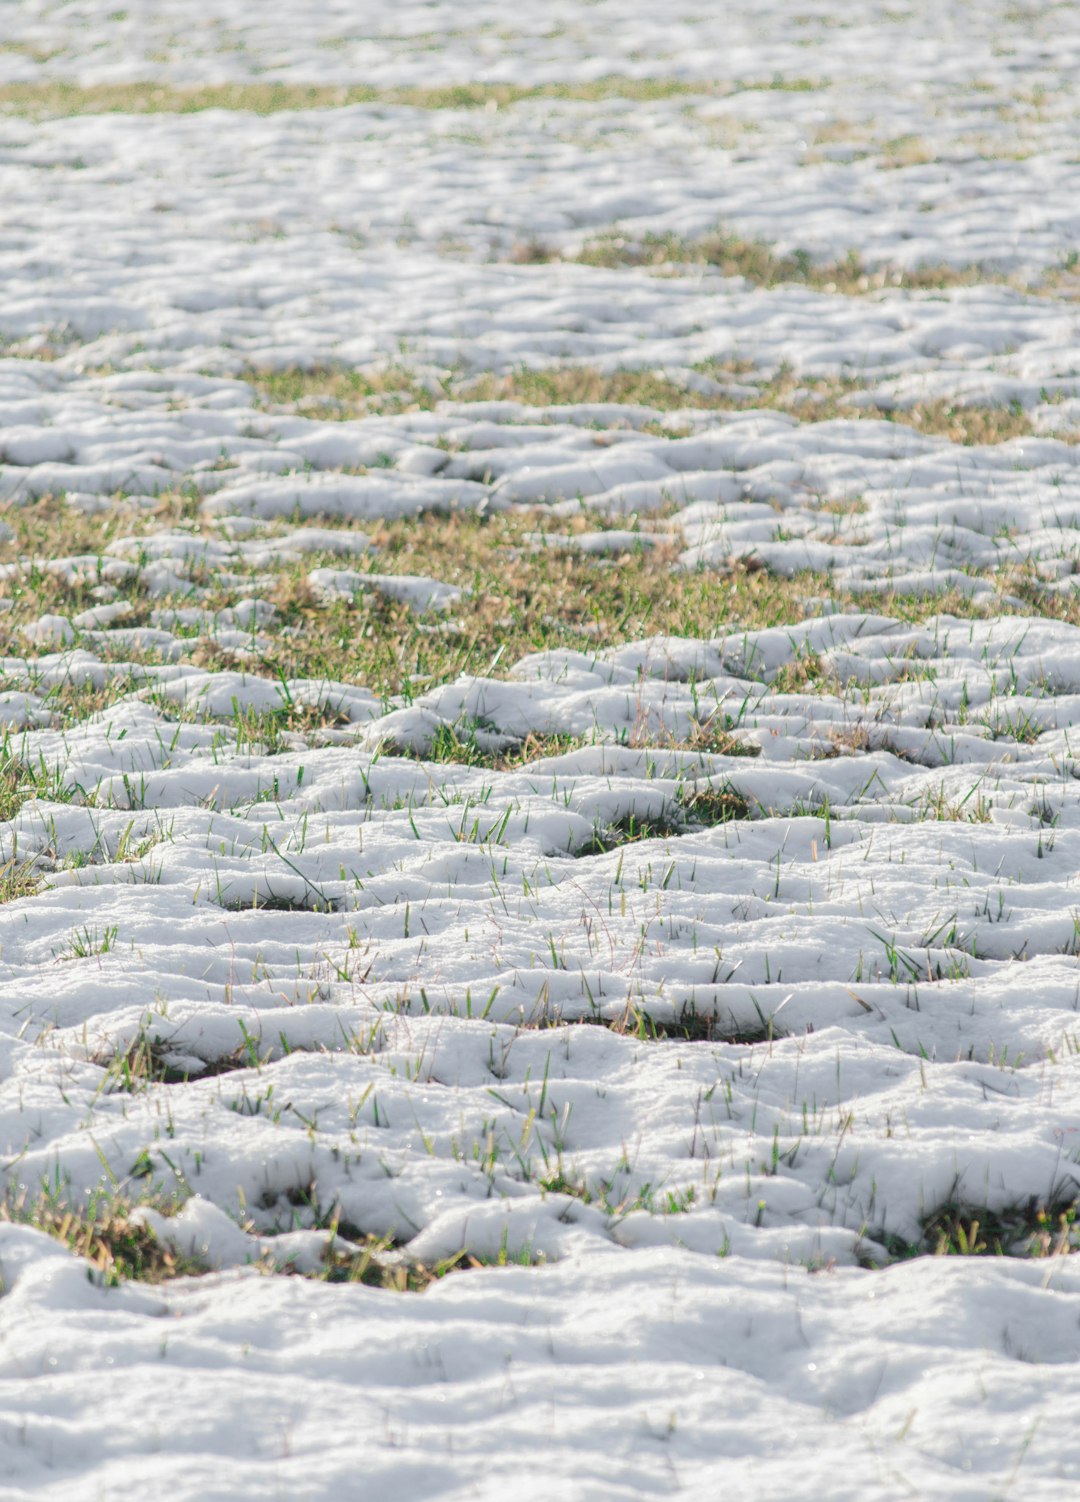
x=411, y=998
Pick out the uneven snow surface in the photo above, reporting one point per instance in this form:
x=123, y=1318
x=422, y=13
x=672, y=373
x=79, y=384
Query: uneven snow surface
x=420, y=1000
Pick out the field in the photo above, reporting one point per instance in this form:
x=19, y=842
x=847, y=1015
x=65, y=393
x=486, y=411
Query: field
x=539, y=805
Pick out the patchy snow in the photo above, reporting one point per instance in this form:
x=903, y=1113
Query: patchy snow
x=393, y=995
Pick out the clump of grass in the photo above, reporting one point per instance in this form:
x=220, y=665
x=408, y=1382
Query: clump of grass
x=341, y=392
x=689, y=1026
x=103, y=1232
x=351, y=1255
x=847, y=742
x=713, y=737
x=144, y=1063
x=33, y=50
x=828, y=399
x=38, y=525
x=1023, y=727
x=151, y=1059
x=692, y=1026
x=973, y=808
x=1032, y=1227
x=21, y=780
x=522, y=600
x=537, y=747
x=802, y=672
x=375, y=1264
x=1023, y=581
x=18, y=879
x=107, y=1233
x=87, y=943
x=715, y=805
x=759, y=263
x=568, y=385
x=629, y=830
x=617, y=1195
x=461, y=744
x=965, y=424
x=279, y=902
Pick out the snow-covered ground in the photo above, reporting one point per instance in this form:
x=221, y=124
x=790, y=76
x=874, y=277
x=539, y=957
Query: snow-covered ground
x=707, y=1099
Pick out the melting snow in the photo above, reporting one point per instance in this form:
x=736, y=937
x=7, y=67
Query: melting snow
x=399, y=996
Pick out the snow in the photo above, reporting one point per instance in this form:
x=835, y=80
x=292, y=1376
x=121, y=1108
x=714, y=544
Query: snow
x=616, y=1377
x=415, y=999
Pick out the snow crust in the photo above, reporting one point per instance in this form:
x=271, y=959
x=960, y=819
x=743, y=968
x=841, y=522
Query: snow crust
x=400, y=997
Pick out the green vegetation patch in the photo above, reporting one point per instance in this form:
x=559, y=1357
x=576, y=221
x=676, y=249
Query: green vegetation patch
x=333, y=392
x=103, y=1231
x=757, y=261
x=521, y=599
x=108, y=1233
x=1032, y=1228
x=689, y=1026
x=57, y=97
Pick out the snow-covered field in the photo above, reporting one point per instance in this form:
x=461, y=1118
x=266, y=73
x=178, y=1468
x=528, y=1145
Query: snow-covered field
x=654, y=1006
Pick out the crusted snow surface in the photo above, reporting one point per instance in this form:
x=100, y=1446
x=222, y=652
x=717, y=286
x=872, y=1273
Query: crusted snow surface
x=681, y=1106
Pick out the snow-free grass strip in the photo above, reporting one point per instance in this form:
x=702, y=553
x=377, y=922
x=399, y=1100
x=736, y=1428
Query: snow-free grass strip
x=337, y=393
x=58, y=98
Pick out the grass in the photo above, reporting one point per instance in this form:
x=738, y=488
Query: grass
x=735, y=255
x=370, y=1264
x=149, y=1060
x=87, y=943
x=715, y=805
x=54, y=98
x=276, y=902
x=335, y=392
x=20, y=780
x=339, y=392
x=759, y=263
x=629, y=830
x=966, y=1232
x=18, y=879
x=617, y=1196
x=107, y=1233
x=698, y=810
x=103, y=1232
x=692, y=1026
x=461, y=745
x=688, y=1026
x=522, y=600
x=1028, y=1228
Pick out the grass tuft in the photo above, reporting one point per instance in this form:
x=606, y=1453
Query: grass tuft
x=1029, y=1228
x=104, y=1233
